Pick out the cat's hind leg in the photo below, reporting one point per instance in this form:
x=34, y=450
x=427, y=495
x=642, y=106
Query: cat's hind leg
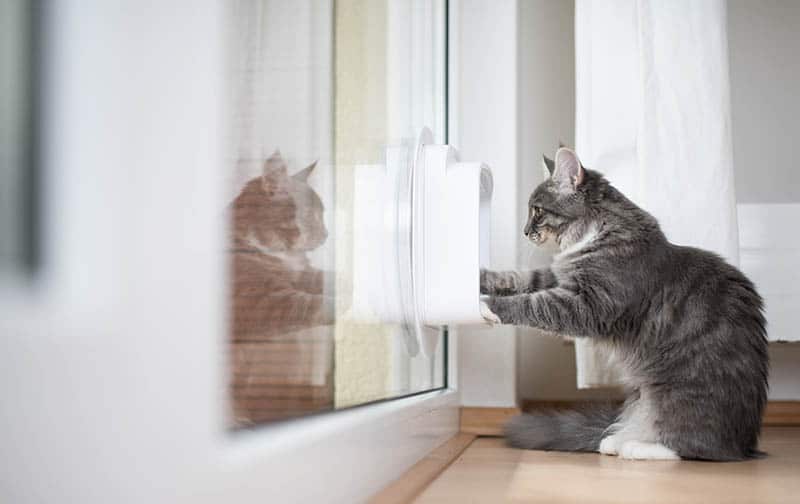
x=642, y=450
x=635, y=436
x=635, y=426
x=609, y=445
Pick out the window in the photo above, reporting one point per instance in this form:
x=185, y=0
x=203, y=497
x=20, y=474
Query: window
x=319, y=92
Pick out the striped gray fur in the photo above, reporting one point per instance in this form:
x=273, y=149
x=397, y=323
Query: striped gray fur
x=686, y=328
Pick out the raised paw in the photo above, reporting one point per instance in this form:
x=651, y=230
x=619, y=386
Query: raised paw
x=490, y=281
x=488, y=315
x=498, y=283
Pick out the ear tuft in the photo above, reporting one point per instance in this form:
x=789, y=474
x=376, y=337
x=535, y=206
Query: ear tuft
x=569, y=172
x=303, y=174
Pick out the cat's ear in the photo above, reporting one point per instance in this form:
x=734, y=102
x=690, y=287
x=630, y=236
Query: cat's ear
x=274, y=172
x=303, y=174
x=569, y=172
x=549, y=166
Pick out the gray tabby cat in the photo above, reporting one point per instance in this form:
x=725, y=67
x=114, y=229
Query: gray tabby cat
x=686, y=327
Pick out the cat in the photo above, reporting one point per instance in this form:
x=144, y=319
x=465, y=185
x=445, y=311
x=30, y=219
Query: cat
x=276, y=220
x=686, y=328
x=282, y=307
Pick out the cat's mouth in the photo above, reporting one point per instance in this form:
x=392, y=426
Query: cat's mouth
x=537, y=238
x=542, y=235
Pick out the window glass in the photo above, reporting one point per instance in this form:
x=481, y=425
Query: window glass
x=323, y=97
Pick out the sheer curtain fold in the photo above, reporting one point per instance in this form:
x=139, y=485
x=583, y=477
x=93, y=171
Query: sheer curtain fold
x=653, y=114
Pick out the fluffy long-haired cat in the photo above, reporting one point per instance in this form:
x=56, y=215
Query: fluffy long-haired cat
x=686, y=327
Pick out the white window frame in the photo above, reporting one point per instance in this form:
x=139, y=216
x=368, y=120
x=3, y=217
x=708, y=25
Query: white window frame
x=113, y=369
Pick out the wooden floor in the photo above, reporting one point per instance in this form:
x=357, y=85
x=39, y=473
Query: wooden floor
x=488, y=471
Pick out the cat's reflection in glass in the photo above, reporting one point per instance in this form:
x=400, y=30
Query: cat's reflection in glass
x=281, y=314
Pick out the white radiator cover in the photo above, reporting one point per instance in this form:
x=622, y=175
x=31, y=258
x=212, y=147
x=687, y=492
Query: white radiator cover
x=769, y=254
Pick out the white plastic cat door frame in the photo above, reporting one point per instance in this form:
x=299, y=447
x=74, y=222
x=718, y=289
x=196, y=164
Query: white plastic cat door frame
x=421, y=231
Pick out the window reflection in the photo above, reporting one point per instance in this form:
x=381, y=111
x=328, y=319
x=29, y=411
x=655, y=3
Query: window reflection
x=319, y=90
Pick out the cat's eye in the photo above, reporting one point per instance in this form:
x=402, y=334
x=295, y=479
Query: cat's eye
x=537, y=211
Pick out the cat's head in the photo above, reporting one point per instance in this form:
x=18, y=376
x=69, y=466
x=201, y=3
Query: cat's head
x=278, y=211
x=567, y=195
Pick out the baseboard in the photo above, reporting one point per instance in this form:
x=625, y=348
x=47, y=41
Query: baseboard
x=490, y=421
x=786, y=413
x=409, y=485
x=485, y=421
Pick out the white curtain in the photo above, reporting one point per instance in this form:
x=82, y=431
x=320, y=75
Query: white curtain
x=653, y=114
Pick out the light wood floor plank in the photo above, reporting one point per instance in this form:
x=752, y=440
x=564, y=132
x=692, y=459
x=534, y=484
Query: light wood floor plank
x=488, y=471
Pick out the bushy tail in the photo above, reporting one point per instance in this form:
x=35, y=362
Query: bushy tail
x=579, y=430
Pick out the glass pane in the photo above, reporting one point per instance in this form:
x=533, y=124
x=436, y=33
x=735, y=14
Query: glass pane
x=326, y=100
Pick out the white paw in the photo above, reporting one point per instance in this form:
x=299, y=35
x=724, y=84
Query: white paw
x=608, y=446
x=638, y=450
x=488, y=315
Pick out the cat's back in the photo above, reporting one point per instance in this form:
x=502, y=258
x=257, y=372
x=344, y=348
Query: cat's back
x=703, y=285
x=694, y=268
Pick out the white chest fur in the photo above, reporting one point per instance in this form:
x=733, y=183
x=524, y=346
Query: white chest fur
x=569, y=249
x=293, y=260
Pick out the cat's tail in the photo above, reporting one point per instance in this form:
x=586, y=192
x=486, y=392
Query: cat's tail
x=576, y=430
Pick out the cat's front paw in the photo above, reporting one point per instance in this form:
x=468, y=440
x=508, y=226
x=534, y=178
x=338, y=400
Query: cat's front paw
x=486, y=281
x=498, y=283
x=488, y=315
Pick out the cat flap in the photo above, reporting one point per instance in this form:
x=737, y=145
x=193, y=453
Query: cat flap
x=421, y=233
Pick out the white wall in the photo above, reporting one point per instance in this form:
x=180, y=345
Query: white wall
x=764, y=42
x=765, y=71
x=483, y=126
